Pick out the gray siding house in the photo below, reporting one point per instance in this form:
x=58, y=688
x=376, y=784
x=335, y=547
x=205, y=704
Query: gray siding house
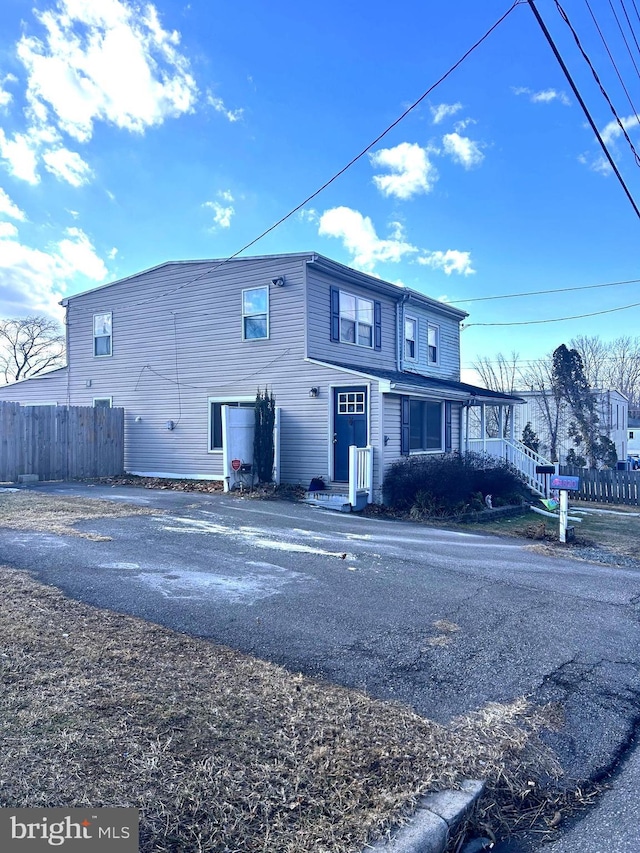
x=351, y=359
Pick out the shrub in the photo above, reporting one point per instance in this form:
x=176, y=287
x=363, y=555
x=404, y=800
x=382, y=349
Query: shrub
x=448, y=485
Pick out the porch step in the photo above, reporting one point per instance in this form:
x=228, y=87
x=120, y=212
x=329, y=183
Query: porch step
x=336, y=499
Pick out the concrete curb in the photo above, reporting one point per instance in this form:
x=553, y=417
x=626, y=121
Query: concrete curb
x=436, y=816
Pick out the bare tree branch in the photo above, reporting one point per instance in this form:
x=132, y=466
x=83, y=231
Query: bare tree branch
x=30, y=346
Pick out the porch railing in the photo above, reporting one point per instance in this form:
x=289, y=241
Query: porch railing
x=360, y=472
x=518, y=454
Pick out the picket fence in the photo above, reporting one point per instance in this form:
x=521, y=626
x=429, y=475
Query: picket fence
x=605, y=486
x=60, y=442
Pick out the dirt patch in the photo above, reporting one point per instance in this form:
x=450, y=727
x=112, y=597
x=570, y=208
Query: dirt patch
x=220, y=750
x=58, y=514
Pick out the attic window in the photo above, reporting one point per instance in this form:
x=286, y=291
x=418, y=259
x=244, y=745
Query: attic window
x=102, y=334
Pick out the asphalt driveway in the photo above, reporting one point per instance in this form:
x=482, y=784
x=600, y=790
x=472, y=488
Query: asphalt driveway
x=441, y=620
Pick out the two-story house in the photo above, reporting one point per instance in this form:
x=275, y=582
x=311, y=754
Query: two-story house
x=350, y=359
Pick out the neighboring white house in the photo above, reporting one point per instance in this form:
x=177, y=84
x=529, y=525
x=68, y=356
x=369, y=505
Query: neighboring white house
x=612, y=409
x=633, y=438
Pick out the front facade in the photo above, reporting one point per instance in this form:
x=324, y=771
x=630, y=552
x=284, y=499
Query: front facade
x=349, y=358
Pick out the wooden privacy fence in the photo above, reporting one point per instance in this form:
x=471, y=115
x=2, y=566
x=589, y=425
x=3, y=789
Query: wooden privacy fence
x=60, y=442
x=605, y=486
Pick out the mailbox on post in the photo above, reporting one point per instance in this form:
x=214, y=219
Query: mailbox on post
x=564, y=485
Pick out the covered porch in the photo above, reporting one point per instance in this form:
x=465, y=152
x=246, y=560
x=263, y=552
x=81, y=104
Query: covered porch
x=489, y=427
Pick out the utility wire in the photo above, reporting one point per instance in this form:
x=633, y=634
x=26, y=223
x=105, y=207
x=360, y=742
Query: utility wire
x=565, y=18
x=542, y=292
x=613, y=62
x=343, y=169
x=624, y=9
x=554, y=319
x=547, y=35
x=624, y=38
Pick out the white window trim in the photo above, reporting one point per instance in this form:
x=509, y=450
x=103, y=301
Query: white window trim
x=355, y=342
x=94, y=336
x=110, y=399
x=247, y=290
x=414, y=320
x=442, y=430
x=435, y=363
x=227, y=398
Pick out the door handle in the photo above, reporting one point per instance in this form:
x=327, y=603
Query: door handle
x=335, y=438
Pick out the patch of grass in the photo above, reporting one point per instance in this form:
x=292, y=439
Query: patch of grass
x=59, y=513
x=219, y=750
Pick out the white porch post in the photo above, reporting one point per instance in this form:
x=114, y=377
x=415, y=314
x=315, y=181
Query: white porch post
x=483, y=427
x=501, y=424
x=466, y=428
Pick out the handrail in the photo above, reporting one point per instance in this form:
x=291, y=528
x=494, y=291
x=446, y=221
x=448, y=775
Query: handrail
x=360, y=472
x=519, y=455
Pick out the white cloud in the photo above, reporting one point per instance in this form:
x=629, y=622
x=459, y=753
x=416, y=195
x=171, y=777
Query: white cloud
x=110, y=61
x=112, y=253
x=67, y=166
x=9, y=208
x=545, y=96
x=220, y=107
x=442, y=111
x=308, y=215
x=8, y=229
x=411, y=171
x=33, y=281
x=5, y=96
x=450, y=261
x=463, y=150
x=359, y=238
x=613, y=130
x=598, y=164
x=21, y=157
x=221, y=213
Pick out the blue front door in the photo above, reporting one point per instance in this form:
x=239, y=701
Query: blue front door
x=349, y=426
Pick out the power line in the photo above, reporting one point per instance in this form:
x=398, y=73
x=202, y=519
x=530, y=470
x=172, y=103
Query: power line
x=624, y=9
x=342, y=170
x=565, y=18
x=542, y=292
x=561, y=62
x=624, y=38
x=554, y=319
x=613, y=62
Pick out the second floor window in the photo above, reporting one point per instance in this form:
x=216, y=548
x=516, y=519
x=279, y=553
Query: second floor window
x=255, y=313
x=356, y=320
x=102, y=334
x=410, y=338
x=433, y=344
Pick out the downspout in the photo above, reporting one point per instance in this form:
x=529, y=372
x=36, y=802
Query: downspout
x=400, y=330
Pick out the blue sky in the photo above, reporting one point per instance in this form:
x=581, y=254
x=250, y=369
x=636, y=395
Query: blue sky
x=134, y=134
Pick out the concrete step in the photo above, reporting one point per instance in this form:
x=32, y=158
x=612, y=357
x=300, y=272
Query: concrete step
x=336, y=498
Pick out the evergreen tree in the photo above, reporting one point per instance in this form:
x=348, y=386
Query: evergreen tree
x=530, y=437
x=263, y=438
x=569, y=379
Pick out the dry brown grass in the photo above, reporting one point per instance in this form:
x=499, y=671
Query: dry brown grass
x=219, y=750
x=59, y=513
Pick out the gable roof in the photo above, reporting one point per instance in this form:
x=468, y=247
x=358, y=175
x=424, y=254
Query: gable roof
x=405, y=382
x=333, y=268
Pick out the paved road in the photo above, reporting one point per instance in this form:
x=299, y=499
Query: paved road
x=356, y=600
